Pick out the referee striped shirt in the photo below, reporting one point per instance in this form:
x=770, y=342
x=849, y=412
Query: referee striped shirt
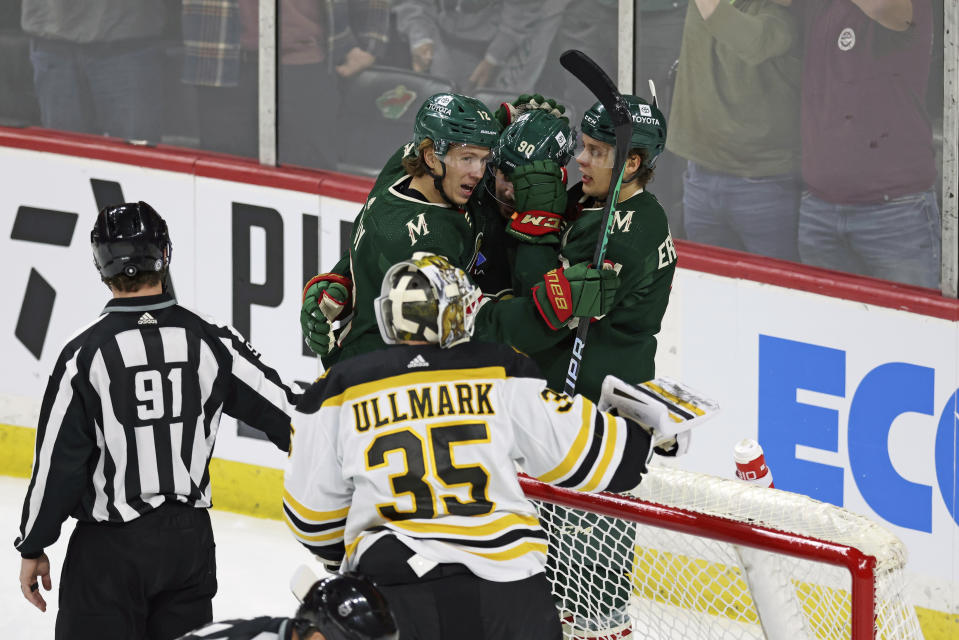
x=131, y=412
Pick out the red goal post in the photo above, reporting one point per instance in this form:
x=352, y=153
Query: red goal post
x=820, y=572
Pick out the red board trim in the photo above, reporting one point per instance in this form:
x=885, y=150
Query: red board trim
x=697, y=257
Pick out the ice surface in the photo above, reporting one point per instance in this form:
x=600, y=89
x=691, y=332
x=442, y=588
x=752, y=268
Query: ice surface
x=255, y=560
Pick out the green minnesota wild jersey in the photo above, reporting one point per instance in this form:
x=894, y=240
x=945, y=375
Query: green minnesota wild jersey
x=623, y=342
x=393, y=225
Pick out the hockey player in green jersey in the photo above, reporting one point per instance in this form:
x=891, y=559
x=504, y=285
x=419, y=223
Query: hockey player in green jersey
x=640, y=246
x=424, y=207
x=532, y=136
x=623, y=343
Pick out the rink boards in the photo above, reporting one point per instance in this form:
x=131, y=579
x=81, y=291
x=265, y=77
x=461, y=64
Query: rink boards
x=849, y=384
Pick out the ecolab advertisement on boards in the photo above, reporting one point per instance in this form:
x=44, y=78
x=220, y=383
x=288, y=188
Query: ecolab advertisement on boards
x=853, y=404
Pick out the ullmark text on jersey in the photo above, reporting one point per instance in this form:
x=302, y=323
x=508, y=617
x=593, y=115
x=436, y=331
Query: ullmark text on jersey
x=451, y=399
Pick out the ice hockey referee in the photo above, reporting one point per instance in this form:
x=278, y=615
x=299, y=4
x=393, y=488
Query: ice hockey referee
x=126, y=431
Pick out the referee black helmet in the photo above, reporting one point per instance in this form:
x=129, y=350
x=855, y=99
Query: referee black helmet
x=346, y=607
x=130, y=238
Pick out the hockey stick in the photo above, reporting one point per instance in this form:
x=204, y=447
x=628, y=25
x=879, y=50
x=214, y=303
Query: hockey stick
x=596, y=80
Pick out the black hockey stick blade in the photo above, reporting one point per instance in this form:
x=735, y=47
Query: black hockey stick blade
x=600, y=84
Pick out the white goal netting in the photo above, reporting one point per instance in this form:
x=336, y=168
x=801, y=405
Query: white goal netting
x=700, y=557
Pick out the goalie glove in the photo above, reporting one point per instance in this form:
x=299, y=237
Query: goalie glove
x=508, y=112
x=666, y=409
x=326, y=298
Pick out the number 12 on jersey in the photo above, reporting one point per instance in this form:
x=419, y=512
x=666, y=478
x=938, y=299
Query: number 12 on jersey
x=430, y=467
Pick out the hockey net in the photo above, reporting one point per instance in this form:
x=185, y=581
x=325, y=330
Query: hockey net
x=693, y=556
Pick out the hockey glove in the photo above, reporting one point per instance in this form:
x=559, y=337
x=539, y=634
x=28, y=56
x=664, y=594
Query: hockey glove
x=326, y=298
x=578, y=291
x=539, y=193
x=666, y=409
x=508, y=112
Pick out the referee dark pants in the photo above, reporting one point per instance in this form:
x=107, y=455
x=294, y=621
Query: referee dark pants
x=153, y=577
x=451, y=602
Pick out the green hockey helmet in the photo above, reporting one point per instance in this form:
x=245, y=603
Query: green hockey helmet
x=649, y=127
x=451, y=118
x=534, y=135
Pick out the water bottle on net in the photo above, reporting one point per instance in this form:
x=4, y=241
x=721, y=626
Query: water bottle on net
x=751, y=464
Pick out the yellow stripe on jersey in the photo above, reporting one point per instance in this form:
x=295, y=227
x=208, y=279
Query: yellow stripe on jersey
x=515, y=552
x=351, y=548
x=415, y=377
x=609, y=448
x=332, y=534
x=496, y=526
x=674, y=399
x=309, y=514
x=576, y=450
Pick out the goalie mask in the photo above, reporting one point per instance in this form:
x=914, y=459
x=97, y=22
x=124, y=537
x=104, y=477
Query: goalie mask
x=426, y=299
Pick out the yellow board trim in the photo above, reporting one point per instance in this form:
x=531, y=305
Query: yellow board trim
x=247, y=488
x=16, y=450
x=257, y=491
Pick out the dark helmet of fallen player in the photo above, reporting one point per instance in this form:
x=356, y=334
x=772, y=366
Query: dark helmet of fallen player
x=534, y=135
x=426, y=299
x=345, y=607
x=451, y=118
x=130, y=238
x=649, y=127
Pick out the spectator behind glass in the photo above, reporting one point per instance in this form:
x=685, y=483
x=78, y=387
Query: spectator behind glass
x=480, y=43
x=870, y=205
x=320, y=41
x=657, y=54
x=97, y=65
x=735, y=118
x=591, y=27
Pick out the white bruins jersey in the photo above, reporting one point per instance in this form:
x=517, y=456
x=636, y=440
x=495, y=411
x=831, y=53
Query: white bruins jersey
x=413, y=442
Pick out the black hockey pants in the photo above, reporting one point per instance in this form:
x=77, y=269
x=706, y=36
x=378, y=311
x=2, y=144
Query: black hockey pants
x=151, y=578
x=450, y=603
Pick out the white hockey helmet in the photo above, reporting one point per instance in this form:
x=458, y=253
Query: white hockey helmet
x=427, y=299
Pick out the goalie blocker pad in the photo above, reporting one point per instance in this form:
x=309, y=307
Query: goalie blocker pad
x=667, y=408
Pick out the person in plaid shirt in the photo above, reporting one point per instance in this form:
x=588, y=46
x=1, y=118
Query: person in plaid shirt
x=321, y=41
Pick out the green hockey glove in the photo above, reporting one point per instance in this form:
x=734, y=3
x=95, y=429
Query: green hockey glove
x=326, y=298
x=508, y=112
x=540, y=186
x=577, y=291
x=539, y=193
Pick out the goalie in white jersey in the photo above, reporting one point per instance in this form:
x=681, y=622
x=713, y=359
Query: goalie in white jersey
x=403, y=464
